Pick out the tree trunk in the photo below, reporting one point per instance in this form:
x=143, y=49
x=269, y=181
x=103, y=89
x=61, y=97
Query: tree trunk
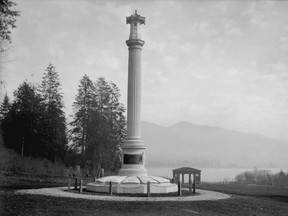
x=22, y=151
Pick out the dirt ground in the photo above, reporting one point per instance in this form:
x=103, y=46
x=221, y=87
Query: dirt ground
x=245, y=200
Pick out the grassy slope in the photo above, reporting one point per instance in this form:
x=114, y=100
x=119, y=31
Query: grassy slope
x=251, y=202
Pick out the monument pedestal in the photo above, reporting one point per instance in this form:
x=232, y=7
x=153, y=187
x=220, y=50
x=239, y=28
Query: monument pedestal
x=133, y=158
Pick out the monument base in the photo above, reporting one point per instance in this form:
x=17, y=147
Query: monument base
x=132, y=170
x=133, y=158
x=132, y=185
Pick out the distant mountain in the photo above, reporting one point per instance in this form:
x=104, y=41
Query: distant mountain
x=204, y=146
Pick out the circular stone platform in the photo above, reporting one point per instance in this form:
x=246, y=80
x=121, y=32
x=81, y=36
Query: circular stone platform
x=62, y=192
x=132, y=185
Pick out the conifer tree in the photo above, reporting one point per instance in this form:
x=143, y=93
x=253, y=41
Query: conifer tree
x=111, y=124
x=83, y=109
x=5, y=108
x=55, y=121
x=99, y=123
x=34, y=124
x=22, y=123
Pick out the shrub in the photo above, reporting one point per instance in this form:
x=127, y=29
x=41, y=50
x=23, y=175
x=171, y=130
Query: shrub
x=10, y=161
x=262, y=177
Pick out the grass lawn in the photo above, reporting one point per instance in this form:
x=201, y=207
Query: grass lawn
x=245, y=200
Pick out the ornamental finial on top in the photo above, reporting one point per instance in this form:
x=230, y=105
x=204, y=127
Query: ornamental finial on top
x=135, y=17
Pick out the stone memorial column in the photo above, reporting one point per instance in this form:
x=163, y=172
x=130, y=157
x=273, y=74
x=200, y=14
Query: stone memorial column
x=133, y=148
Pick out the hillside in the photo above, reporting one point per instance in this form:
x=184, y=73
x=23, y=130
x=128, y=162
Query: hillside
x=186, y=143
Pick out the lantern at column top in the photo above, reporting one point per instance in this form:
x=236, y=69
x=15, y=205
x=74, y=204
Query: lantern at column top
x=135, y=20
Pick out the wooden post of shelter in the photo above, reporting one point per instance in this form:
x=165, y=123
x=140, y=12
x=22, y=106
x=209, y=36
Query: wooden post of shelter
x=194, y=186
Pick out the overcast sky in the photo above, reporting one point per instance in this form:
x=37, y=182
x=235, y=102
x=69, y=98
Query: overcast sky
x=217, y=63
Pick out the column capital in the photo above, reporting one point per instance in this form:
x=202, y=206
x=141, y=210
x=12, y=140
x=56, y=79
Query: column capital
x=135, y=43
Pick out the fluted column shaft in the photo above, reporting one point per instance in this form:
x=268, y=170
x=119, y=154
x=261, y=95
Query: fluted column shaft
x=134, y=90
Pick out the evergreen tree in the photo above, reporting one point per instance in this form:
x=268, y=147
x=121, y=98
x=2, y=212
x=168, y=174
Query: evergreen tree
x=34, y=124
x=111, y=124
x=22, y=123
x=55, y=121
x=5, y=108
x=83, y=109
x=99, y=123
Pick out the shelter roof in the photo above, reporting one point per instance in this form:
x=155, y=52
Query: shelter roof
x=186, y=170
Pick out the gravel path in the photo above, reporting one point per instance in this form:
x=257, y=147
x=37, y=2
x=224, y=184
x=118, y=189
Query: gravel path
x=62, y=192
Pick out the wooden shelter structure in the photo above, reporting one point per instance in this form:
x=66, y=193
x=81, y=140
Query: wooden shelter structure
x=187, y=171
